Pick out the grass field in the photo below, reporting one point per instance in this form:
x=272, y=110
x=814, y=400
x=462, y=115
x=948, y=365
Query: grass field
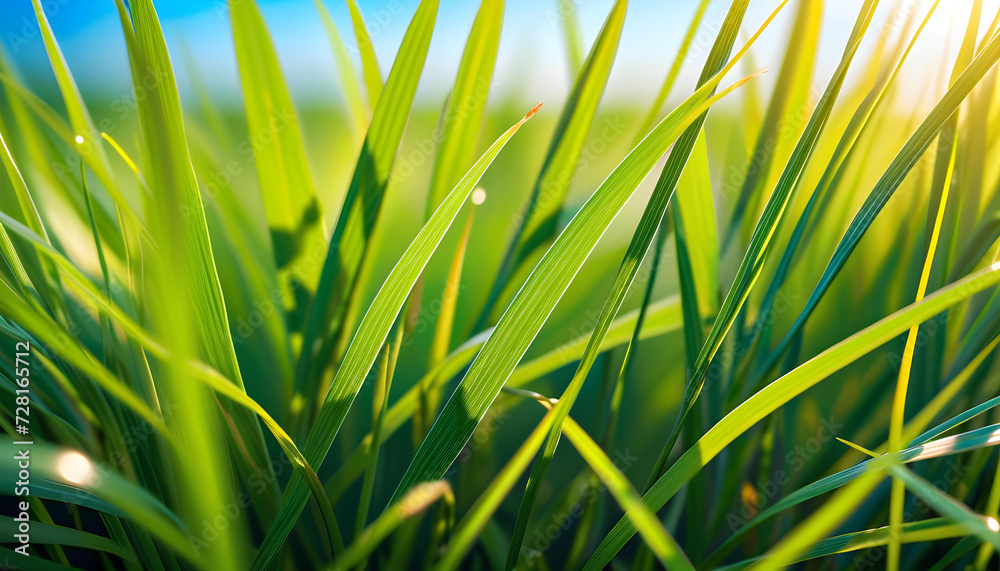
x=749, y=322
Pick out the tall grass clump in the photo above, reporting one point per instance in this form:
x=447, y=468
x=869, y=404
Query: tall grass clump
x=763, y=324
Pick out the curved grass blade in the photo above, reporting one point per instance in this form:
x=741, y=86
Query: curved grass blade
x=663, y=317
x=345, y=71
x=372, y=333
x=464, y=111
x=369, y=62
x=363, y=202
x=414, y=503
x=776, y=394
x=538, y=223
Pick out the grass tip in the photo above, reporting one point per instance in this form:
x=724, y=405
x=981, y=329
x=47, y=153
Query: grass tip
x=533, y=111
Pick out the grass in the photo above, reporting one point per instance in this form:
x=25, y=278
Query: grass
x=781, y=352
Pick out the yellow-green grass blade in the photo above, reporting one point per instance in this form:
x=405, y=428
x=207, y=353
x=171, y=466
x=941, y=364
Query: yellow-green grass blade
x=172, y=179
x=532, y=305
x=185, y=295
x=537, y=224
x=572, y=35
x=789, y=99
x=345, y=72
x=363, y=202
x=663, y=317
x=414, y=503
x=675, y=69
x=294, y=215
x=757, y=253
x=637, y=248
x=80, y=120
x=463, y=112
x=779, y=392
x=897, y=415
x=63, y=475
x=371, y=334
x=912, y=532
x=694, y=206
x=369, y=62
x=649, y=525
x=894, y=175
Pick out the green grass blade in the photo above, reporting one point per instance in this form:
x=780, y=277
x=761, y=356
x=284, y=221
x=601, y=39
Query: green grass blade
x=538, y=223
x=363, y=201
x=294, y=214
x=369, y=62
x=464, y=111
x=637, y=248
x=753, y=262
x=901, y=165
x=345, y=71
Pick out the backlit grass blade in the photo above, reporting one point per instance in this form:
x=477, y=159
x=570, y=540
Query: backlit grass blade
x=294, y=214
x=363, y=201
x=345, y=72
x=531, y=306
x=82, y=124
x=369, y=62
x=899, y=400
x=464, y=111
x=772, y=397
x=657, y=537
x=372, y=333
x=414, y=503
x=912, y=532
x=538, y=222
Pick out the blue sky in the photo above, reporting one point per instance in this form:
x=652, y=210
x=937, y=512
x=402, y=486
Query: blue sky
x=532, y=54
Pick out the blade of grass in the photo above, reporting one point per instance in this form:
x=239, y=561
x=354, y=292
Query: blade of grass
x=369, y=62
x=294, y=214
x=345, y=72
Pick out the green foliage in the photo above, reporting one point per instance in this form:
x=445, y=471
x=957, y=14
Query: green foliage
x=211, y=355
